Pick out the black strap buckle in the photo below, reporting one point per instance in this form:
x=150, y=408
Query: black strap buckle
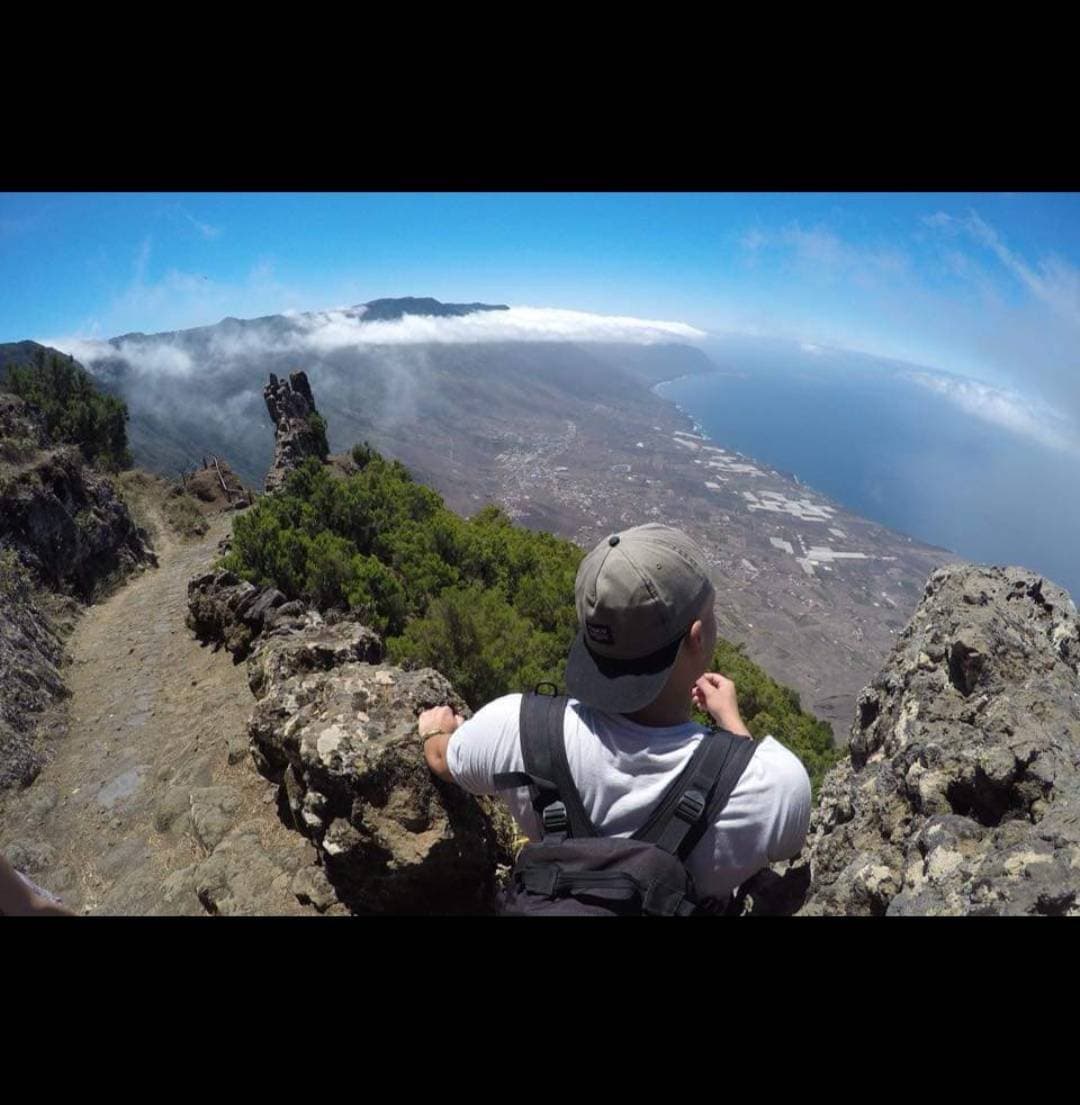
x=691, y=805
x=539, y=880
x=554, y=818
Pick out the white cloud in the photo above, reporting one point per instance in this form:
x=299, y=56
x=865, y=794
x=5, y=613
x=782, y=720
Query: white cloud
x=825, y=254
x=86, y=350
x=938, y=220
x=954, y=294
x=1009, y=409
x=328, y=330
x=251, y=341
x=179, y=299
x=205, y=229
x=142, y=261
x=159, y=358
x=156, y=358
x=1052, y=280
x=323, y=332
x=1035, y=339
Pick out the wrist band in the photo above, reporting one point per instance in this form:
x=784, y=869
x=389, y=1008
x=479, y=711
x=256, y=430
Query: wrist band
x=433, y=733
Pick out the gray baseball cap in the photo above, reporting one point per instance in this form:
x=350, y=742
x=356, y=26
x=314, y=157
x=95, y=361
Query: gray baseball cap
x=637, y=593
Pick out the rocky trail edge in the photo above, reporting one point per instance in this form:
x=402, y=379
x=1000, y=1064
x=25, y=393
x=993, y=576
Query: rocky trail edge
x=139, y=810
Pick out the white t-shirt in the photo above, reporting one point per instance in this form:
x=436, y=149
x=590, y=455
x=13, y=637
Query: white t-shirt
x=621, y=770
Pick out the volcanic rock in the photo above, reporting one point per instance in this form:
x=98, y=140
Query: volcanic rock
x=961, y=794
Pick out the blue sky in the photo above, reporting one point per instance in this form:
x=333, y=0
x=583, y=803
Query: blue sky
x=983, y=285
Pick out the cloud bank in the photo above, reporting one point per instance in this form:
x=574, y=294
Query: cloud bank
x=324, y=332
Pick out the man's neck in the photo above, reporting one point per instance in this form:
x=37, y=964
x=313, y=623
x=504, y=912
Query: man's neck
x=660, y=713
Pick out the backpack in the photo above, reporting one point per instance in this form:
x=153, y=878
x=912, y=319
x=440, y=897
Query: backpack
x=574, y=871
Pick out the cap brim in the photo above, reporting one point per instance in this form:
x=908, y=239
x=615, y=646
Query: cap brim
x=617, y=686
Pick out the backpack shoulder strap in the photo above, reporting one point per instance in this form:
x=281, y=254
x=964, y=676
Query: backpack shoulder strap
x=543, y=748
x=580, y=824
x=671, y=795
x=742, y=751
x=685, y=800
x=695, y=799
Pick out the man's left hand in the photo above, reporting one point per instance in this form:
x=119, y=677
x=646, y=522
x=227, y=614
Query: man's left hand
x=440, y=719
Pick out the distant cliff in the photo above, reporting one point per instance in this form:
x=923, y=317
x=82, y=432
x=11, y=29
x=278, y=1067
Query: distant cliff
x=382, y=310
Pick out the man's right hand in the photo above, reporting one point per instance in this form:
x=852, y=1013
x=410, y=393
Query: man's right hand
x=715, y=694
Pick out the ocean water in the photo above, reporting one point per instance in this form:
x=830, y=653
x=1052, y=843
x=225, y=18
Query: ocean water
x=898, y=453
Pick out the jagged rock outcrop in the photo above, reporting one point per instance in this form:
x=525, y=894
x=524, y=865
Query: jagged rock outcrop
x=30, y=679
x=68, y=524
x=336, y=730
x=962, y=791
x=299, y=432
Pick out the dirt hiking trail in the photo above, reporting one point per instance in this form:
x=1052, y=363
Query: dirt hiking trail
x=139, y=810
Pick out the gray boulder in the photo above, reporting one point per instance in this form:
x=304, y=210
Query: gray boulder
x=242, y=877
x=338, y=735
x=962, y=791
x=214, y=811
x=316, y=645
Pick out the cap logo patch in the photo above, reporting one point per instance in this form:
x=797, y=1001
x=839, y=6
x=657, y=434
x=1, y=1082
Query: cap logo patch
x=600, y=633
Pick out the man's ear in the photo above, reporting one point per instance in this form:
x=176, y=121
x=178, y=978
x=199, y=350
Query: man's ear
x=697, y=636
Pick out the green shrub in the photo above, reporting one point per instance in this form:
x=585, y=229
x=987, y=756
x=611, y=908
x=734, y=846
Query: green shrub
x=74, y=410
x=386, y=547
x=317, y=426
x=488, y=645
x=362, y=454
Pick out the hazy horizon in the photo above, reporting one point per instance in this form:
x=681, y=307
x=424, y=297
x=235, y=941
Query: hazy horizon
x=985, y=286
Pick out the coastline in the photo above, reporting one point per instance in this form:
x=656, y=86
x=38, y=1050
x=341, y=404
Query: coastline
x=850, y=508
x=700, y=430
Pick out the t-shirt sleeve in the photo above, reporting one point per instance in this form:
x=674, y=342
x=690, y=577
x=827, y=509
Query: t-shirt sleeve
x=791, y=812
x=486, y=745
